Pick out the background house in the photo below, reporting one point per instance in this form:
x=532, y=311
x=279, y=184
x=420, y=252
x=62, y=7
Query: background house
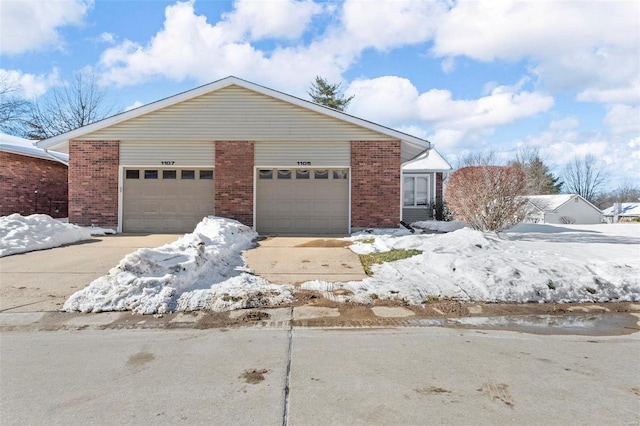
x=562, y=208
x=622, y=212
x=232, y=148
x=31, y=179
x=423, y=185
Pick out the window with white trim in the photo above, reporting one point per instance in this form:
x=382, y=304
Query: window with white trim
x=415, y=191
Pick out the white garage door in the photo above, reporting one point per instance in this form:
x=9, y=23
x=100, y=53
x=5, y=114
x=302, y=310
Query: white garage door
x=302, y=201
x=166, y=200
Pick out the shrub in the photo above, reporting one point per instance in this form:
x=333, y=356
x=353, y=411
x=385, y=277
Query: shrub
x=440, y=210
x=487, y=198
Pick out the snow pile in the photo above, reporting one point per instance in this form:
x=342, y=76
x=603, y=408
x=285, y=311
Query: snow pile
x=532, y=263
x=201, y=270
x=439, y=226
x=20, y=234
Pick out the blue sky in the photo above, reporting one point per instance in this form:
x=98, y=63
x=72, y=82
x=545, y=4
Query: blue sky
x=470, y=76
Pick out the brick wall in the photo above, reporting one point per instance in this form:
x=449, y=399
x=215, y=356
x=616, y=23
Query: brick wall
x=21, y=176
x=93, y=183
x=375, y=183
x=439, y=186
x=234, y=180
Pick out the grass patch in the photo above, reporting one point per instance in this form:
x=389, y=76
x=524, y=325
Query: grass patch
x=371, y=259
x=367, y=241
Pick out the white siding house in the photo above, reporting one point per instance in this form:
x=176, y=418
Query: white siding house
x=622, y=212
x=562, y=208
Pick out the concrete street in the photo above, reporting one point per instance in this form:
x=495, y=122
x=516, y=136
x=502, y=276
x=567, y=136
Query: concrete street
x=423, y=375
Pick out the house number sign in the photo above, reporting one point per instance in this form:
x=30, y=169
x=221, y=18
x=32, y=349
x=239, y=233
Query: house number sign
x=167, y=163
x=304, y=163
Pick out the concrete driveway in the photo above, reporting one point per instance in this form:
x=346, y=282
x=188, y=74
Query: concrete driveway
x=294, y=260
x=42, y=280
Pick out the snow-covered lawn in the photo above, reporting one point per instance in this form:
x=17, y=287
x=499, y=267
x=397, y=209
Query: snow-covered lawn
x=206, y=270
x=20, y=234
x=531, y=263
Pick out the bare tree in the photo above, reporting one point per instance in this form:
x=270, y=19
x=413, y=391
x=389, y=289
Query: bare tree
x=584, y=176
x=487, y=158
x=12, y=107
x=487, y=198
x=626, y=192
x=540, y=180
x=67, y=108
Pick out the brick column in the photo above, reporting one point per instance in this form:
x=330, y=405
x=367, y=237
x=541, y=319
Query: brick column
x=234, y=181
x=439, y=186
x=93, y=183
x=375, y=184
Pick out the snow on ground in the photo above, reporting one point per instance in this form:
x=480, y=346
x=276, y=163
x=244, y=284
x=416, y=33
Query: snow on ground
x=439, y=226
x=531, y=263
x=20, y=234
x=202, y=270
x=205, y=269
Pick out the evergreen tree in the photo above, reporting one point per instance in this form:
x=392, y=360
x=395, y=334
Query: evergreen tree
x=540, y=181
x=329, y=95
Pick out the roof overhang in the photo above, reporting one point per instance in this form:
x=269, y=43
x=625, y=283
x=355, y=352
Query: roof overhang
x=60, y=142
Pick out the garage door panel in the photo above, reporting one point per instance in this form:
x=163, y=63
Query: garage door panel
x=302, y=206
x=166, y=205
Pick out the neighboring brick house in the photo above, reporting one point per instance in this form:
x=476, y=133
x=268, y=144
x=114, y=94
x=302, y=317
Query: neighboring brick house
x=31, y=179
x=235, y=149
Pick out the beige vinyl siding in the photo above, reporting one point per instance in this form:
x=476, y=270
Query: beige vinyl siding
x=157, y=153
x=235, y=113
x=308, y=154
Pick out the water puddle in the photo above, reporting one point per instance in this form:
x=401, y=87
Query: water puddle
x=601, y=324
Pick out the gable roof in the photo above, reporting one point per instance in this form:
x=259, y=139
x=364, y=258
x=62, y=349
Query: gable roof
x=552, y=203
x=20, y=146
x=626, y=209
x=61, y=141
x=428, y=161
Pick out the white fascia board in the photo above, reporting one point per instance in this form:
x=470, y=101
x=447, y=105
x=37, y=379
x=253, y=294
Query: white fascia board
x=63, y=139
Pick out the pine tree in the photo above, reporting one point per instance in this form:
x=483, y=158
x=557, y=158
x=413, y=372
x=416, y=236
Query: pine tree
x=540, y=181
x=328, y=95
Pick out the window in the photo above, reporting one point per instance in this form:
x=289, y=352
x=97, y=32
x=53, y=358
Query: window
x=340, y=174
x=132, y=174
x=415, y=191
x=302, y=174
x=169, y=174
x=206, y=174
x=284, y=174
x=188, y=174
x=265, y=174
x=321, y=174
x=151, y=174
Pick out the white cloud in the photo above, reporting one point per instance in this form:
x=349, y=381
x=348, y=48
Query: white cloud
x=565, y=123
x=623, y=119
x=107, y=38
x=33, y=25
x=388, y=24
x=190, y=47
x=136, y=104
x=621, y=94
x=389, y=100
x=29, y=85
x=284, y=19
x=589, y=46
